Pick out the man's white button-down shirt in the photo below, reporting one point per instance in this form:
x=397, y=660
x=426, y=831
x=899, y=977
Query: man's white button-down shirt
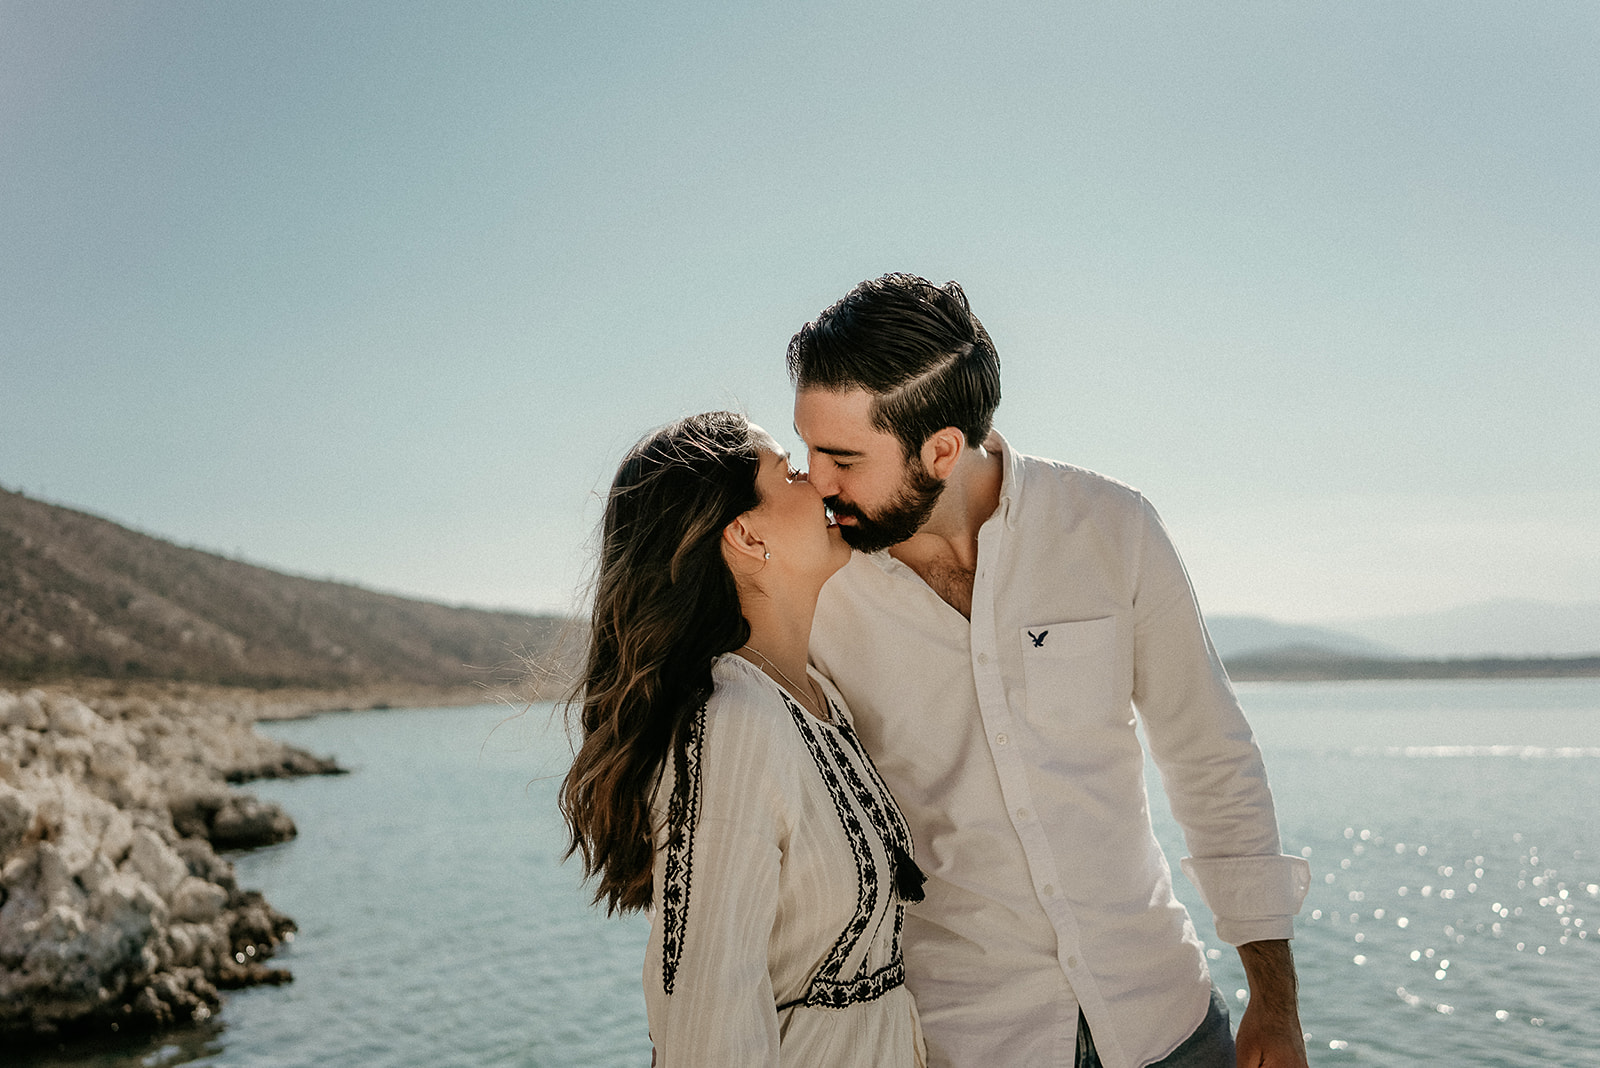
x=1010, y=743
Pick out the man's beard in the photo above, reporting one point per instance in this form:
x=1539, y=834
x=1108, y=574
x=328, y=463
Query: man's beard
x=900, y=518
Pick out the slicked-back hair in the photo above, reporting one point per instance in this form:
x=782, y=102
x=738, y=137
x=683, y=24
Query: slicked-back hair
x=665, y=605
x=916, y=347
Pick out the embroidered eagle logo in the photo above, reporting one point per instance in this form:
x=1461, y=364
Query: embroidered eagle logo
x=1038, y=639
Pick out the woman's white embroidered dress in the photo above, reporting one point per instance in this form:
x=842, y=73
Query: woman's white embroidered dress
x=775, y=935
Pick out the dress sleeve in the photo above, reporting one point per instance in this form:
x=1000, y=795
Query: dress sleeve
x=711, y=1005
x=1207, y=756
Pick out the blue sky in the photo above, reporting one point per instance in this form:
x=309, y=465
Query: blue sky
x=382, y=291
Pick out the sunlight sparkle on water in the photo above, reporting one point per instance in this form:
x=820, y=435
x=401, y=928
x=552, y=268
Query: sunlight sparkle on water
x=1448, y=909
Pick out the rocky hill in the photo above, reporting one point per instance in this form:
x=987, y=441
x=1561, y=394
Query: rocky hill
x=81, y=596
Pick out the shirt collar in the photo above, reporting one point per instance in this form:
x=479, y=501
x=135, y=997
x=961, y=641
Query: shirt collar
x=1010, y=481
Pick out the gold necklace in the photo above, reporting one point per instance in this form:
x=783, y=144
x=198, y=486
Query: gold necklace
x=811, y=691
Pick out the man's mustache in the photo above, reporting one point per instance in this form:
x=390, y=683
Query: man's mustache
x=839, y=508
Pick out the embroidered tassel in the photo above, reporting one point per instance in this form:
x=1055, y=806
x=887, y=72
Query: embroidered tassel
x=908, y=878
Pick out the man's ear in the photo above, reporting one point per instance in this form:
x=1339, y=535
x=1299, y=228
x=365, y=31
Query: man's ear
x=742, y=546
x=941, y=451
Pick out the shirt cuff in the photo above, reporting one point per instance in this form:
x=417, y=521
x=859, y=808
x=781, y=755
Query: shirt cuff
x=1251, y=898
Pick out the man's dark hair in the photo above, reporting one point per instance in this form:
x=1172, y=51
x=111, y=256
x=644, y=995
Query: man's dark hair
x=916, y=347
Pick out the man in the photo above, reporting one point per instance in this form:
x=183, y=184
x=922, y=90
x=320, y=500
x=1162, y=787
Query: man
x=1003, y=621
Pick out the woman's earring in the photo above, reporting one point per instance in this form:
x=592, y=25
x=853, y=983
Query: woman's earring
x=767, y=555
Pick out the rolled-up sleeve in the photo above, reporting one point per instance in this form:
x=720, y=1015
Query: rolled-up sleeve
x=1251, y=898
x=1208, y=758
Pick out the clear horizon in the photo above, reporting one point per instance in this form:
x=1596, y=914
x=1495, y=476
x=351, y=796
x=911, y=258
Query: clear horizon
x=382, y=295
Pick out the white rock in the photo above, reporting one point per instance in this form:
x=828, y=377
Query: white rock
x=20, y=869
x=153, y=859
x=17, y=814
x=116, y=836
x=56, y=884
x=197, y=901
x=68, y=715
x=59, y=924
x=127, y=904
x=32, y=714
x=95, y=875
x=197, y=945
x=112, y=760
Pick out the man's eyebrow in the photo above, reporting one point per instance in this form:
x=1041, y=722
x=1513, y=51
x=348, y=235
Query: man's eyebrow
x=826, y=450
x=836, y=452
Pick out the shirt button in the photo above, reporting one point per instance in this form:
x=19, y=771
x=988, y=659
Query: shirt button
x=1000, y=739
x=1072, y=962
x=1022, y=813
x=983, y=658
x=1049, y=889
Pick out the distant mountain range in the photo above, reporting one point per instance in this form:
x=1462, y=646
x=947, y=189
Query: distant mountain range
x=1247, y=635
x=1507, y=629
x=82, y=596
x=1498, y=639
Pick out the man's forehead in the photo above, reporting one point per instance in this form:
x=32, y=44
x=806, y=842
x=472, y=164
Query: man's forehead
x=836, y=421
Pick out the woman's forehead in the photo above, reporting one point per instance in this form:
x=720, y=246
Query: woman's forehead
x=766, y=442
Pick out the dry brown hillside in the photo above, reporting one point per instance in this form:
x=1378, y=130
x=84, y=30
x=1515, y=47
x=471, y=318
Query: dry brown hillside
x=82, y=596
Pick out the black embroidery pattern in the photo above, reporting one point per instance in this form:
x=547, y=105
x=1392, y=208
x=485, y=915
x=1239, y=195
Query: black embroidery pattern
x=683, y=814
x=831, y=987
x=887, y=816
x=860, y=850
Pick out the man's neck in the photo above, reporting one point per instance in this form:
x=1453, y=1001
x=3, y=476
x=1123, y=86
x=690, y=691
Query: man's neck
x=946, y=548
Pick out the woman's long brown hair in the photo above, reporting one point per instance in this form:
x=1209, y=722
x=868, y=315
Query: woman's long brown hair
x=665, y=605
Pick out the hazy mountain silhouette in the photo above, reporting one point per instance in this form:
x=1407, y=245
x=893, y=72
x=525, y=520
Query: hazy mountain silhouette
x=1504, y=628
x=1558, y=646
x=1241, y=635
x=83, y=596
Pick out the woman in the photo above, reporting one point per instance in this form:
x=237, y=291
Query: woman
x=719, y=783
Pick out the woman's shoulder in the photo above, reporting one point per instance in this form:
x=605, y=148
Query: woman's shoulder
x=746, y=739
x=744, y=735
x=745, y=709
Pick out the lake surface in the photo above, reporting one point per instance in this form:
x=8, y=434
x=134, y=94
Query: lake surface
x=1453, y=830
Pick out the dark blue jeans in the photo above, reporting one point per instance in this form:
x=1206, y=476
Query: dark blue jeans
x=1211, y=1045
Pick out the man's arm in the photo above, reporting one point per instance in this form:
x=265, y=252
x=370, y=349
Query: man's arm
x=1218, y=790
x=1269, y=1032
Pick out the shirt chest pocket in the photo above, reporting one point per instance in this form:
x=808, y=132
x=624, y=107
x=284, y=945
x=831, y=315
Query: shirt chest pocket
x=1068, y=669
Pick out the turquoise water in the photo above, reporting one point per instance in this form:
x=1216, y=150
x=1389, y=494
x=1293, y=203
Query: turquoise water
x=1451, y=827
x=1453, y=831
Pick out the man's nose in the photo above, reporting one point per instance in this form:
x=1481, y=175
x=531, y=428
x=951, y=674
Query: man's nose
x=821, y=480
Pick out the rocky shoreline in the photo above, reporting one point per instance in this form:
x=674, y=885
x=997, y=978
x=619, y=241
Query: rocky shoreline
x=116, y=912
